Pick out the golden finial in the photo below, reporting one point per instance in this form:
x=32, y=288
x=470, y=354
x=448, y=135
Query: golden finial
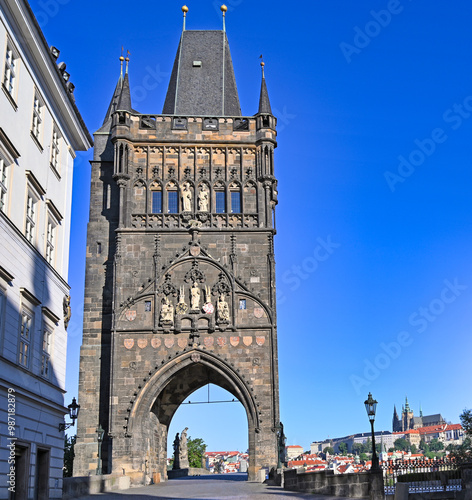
x=262, y=64
x=184, y=10
x=121, y=62
x=224, y=9
x=127, y=59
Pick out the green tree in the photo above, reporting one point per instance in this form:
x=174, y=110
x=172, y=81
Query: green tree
x=436, y=445
x=329, y=450
x=342, y=447
x=464, y=451
x=363, y=457
x=68, y=456
x=357, y=448
x=401, y=444
x=414, y=449
x=391, y=450
x=196, y=452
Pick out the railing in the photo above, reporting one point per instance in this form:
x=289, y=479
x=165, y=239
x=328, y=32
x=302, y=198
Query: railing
x=422, y=476
x=234, y=221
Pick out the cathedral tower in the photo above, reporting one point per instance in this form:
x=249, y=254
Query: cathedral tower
x=180, y=273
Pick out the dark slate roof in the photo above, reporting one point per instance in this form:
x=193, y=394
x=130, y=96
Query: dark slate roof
x=124, y=104
x=264, y=103
x=209, y=89
x=114, y=100
x=432, y=419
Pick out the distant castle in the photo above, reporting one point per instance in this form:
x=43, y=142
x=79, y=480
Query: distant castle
x=409, y=421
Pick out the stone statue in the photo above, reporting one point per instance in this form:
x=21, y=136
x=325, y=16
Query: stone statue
x=186, y=197
x=281, y=446
x=181, y=306
x=66, y=310
x=195, y=297
x=203, y=199
x=183, y=450
x=176, y=445
x=223, y=310
x=167, y=311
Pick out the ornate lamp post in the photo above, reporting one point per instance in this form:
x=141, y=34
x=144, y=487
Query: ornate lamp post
x=100, y=433
x=371, y=406
x=73, y=414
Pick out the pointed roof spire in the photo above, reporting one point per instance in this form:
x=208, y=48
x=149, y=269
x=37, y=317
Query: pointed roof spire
x=264, y=103
x=124, y=104
x=116, y=94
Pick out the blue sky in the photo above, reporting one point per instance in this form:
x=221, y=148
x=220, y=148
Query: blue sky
x=374, y=102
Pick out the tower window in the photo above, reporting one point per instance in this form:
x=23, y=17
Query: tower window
x=147, y=306
x=235, y=202
x=172, y=202
x=220, y=202
x=157, y=202
x=3, y=184
x=242, y=303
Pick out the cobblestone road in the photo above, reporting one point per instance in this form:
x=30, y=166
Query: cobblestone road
x=214, y=487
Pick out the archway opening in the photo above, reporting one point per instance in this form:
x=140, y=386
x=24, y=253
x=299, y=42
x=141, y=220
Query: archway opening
x=214, y=415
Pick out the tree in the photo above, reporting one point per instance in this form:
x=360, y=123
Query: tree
x=363, y=457
x=464, y=451
x=414, y=449
x=391, y=450
x=68, y=456
x=196, y=452
x=342, y=447
x=436, y=445
x=401, y=444
x=329, y=450
x=357, y=448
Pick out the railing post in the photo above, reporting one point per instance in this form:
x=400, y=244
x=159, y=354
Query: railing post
x=466, y=479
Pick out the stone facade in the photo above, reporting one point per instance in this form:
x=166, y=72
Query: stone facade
x=180, y=280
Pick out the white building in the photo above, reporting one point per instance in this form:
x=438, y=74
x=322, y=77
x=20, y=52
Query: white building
x=40, y=129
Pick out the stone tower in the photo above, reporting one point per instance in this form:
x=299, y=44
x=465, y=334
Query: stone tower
x=180, y=273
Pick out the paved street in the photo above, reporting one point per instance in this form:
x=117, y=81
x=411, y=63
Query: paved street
x=213, y=487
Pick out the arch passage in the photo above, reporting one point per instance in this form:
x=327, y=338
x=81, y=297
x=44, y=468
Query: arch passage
x=159, y=399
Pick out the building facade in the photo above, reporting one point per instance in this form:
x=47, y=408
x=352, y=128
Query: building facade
x=180, y=273
x=40, y=130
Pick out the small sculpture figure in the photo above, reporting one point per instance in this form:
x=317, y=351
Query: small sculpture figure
x=183, y=450
x=281, y=446
x=186, y=197
x=176, y=445
x=195, y=297
x=208, y=306
x=66, y=310
x=203, y=198
x=223, y=310
x=167, y=311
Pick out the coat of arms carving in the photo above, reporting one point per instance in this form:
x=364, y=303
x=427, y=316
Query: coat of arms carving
x=221, y=341
x=260, y=340
x=258, y=312
x=247, y=341
x=130, y=315
x=129, y=343
x=234, y=341
x=156, y=343
x=208, y=341
x=142, y=343
x=169, y=342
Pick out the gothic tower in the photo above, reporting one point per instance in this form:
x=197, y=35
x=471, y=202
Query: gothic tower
x=180, y=273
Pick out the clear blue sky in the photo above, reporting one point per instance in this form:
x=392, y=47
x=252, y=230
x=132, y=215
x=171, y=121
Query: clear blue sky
x=374, y=163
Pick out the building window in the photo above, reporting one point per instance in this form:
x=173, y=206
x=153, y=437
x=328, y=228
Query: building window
x=172, y=199
x=55, y=150
x=157, y=202
x=50, y=240
x=46, y=352
x=11, y=66
x=235, y=202
x=147, y=306
x=25, y=338
x=37, y=117
x=2, y=313
x=3, y=185
x=30, y=217
x=220, y=202
x=242, y=303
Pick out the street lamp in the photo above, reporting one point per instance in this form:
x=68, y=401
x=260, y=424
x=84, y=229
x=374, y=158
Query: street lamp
x=73, y=414
x=371, y=406
x=100, y=433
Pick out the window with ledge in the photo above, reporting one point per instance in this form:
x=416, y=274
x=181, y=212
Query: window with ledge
x=37, y=117
x=26, y=326
x=3, y=185
x=220, y=202
x=157, y=202
x=242, y=303
x=46, y=352
x=55, y=160
x=30, y=222
x=10, y=71
x=50, y=240
x=172, y=202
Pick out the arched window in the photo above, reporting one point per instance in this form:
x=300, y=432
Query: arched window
x=235, y=192
x=172, y=198
x=156, y=198
x=220, y=198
